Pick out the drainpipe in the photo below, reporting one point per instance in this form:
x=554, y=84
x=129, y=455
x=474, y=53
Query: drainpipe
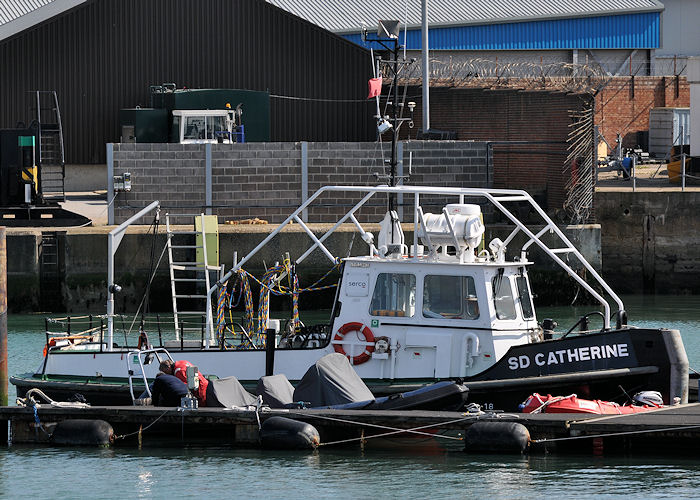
x=426, y=65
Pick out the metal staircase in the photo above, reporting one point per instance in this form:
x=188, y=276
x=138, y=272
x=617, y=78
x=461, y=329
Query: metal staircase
x=189, y=275
x=51, y=159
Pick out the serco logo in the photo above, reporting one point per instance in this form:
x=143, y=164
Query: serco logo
x=358, y=284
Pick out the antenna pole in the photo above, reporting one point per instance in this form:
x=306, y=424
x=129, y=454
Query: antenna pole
x=394, y=122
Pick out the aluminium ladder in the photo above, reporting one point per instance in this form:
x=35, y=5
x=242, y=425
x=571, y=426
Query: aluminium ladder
x=189, y=276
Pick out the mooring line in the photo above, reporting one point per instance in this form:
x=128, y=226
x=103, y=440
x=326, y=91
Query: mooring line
x=123, y=436
x=395, y=430
x=622, y=433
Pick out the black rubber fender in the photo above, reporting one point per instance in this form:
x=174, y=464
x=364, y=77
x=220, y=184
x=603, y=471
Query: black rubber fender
x=497, y=437
x=281, y=433
x=82, y=432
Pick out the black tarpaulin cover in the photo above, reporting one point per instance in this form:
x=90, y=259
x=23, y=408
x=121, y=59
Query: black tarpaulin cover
x=227, y=393
x=331, y=381
x=275, y=390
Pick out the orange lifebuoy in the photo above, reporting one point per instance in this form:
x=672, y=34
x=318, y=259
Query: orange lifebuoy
x=69, y=338
x=354, y=327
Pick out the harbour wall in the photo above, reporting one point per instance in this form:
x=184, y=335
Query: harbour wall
x=651, y=240
x=77, y=282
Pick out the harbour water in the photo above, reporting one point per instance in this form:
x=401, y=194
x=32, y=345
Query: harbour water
x=374, y=472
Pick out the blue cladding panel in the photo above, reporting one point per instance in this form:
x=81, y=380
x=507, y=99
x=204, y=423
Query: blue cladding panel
x=629, y=31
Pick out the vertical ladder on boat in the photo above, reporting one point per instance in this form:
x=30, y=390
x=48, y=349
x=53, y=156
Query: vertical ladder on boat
x=51, y=158
x=189, y=264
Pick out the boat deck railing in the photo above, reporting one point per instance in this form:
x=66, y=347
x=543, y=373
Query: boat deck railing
x=500, y=199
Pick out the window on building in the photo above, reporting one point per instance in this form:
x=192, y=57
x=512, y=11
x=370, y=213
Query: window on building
x=503, y=297
x=394, y=295
x=451, y=297
x=525, y=298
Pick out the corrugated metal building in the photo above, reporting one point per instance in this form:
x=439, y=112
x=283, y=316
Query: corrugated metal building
x=102, y=55
x=609, y=33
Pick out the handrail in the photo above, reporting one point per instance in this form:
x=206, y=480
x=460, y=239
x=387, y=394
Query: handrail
x=495, y=196
x=114, y=239
x=130, y=372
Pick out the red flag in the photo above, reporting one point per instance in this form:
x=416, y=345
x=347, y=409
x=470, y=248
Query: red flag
x=375, y=87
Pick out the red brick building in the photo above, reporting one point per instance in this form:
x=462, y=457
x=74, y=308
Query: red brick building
x=530, y=129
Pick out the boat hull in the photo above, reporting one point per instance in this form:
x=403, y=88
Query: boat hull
x=596, y=366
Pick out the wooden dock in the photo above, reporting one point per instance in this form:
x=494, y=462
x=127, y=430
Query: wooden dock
x=670, y=430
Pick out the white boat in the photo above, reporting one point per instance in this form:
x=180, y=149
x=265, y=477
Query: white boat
x=407, y=313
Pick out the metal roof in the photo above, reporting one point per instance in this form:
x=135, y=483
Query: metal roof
x=627, y=31
x=19, y=15
x=13, y=9
x=350, y=15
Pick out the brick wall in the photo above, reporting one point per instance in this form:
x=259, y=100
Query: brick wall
x=505, y=116
x=623, y=105
x=265, y=179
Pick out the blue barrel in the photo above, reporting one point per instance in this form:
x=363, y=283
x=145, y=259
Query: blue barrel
x=626, y=167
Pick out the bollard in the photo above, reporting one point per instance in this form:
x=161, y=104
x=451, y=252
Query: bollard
x=3, y=318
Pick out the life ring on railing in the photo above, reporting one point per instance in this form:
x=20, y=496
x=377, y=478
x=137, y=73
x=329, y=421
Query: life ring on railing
x=339, y=337
x=70, y=338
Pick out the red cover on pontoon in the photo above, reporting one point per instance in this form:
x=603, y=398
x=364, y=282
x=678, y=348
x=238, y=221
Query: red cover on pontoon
x=572, y=404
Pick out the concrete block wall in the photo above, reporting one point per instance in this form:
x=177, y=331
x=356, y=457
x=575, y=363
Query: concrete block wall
x=255, y=180
x=266, y=180
x=174, y=174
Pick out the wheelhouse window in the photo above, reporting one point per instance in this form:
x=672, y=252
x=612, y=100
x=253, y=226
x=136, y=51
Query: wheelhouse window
x=503, y=297
x=525, y=298
x=394, y=295
x=452, y=297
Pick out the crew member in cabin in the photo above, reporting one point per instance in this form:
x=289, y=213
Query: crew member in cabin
x=168, y=390
x=179, y=370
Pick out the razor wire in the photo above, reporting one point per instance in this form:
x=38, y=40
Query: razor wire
x=579, y=168
x=533, y=74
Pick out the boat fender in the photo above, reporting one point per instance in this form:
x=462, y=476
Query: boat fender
x=497, y=437
x=282, y=433
x=82, y=432
x=354, y=327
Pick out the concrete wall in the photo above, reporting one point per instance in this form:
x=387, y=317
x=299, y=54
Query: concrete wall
x=650, y=241
x=85, y=178
x=83, y=285
x=266, y=180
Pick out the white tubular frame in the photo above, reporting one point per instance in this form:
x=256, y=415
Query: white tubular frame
x=114, y=239
x=497, y=197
